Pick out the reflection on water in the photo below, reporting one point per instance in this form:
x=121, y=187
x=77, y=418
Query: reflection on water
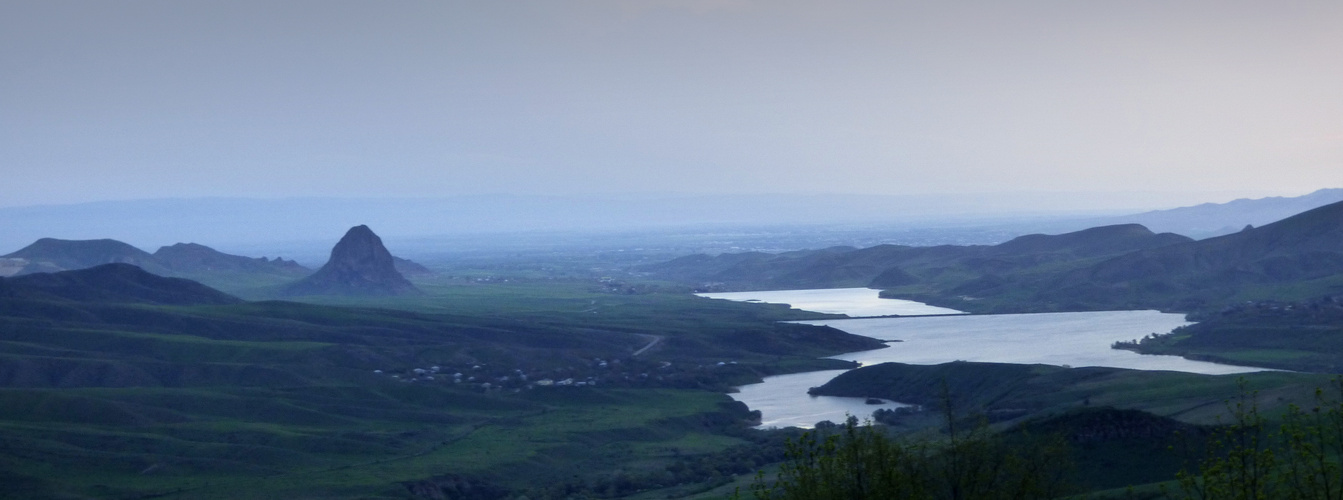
x=857, y=302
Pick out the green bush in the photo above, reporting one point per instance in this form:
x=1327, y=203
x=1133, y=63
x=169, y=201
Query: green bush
x=856, y=462
x=1246, y=461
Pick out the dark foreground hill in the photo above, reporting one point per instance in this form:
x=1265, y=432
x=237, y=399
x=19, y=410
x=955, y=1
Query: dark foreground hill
x=51, y=255
x=115, y=283
x=359, y=265
x=1116, y=423
x=109, y=390
x=183, y=260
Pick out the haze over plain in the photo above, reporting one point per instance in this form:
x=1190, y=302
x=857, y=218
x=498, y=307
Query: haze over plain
x=1135, y=104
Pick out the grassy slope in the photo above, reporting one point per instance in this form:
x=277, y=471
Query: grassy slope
x=1112, y=445
x=334, y=441
x=1044, y=389
x=286, y=404
x=1191, y=398
x=1299, y=336
x=693, y=328
x=272, y=400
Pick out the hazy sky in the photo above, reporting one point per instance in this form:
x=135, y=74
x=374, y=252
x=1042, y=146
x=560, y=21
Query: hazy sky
x=132, y=99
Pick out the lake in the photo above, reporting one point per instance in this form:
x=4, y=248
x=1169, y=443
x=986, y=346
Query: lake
x=783, y=401
x=855, y=302
x=1071, y=339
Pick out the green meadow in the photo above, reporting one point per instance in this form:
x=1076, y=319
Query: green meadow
x=275, y=399
x=491, y=387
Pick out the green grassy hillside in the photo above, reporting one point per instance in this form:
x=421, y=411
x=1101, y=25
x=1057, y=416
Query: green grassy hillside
x=1300, y=336
x=1007, y=391
x=155, y=389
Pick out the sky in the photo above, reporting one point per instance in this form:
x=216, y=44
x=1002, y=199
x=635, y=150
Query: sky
x=146, y=99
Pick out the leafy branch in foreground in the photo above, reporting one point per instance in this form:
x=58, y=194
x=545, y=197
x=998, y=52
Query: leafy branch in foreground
x=1244, y=462
x=1314, y=441
x=856, y=462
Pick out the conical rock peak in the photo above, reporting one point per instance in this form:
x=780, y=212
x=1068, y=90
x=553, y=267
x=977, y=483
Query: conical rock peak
x=359, y=265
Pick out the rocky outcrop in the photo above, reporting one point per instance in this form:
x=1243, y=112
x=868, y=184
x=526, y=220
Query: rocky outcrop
x=359, y=265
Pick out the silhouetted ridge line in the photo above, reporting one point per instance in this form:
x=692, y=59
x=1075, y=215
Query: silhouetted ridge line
x=48, y=255
x=1304, y=246
x=115, y=283
x=194, y=257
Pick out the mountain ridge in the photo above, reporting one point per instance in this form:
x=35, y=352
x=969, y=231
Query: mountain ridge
x=1109, y=267
x=1294, y=258
x=54, y=255
x=1217, y=219
x=886, y=265
x=194, y=257
x=1302, y=247
x=114, y=283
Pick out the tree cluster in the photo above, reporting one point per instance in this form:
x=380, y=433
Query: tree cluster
x=857, y=462
x=1247, y=460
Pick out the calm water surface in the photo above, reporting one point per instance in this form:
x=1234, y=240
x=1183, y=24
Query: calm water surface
x=783, y=401
x=855, y=302
x=1072, y=339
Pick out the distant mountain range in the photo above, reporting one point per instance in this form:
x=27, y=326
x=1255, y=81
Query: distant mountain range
x=895, y=265
x=1110, y=267
x=183, y=259
x=1300, y=251
x=196, y=262
x=927, y=271
x=300, y=228
x=1216, y=219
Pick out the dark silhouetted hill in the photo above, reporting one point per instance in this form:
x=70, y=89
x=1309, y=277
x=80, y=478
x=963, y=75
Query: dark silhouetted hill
x=115, y=283
x=1105, y=240
x=189, y=258
x=51, y=255
x=359, y=265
